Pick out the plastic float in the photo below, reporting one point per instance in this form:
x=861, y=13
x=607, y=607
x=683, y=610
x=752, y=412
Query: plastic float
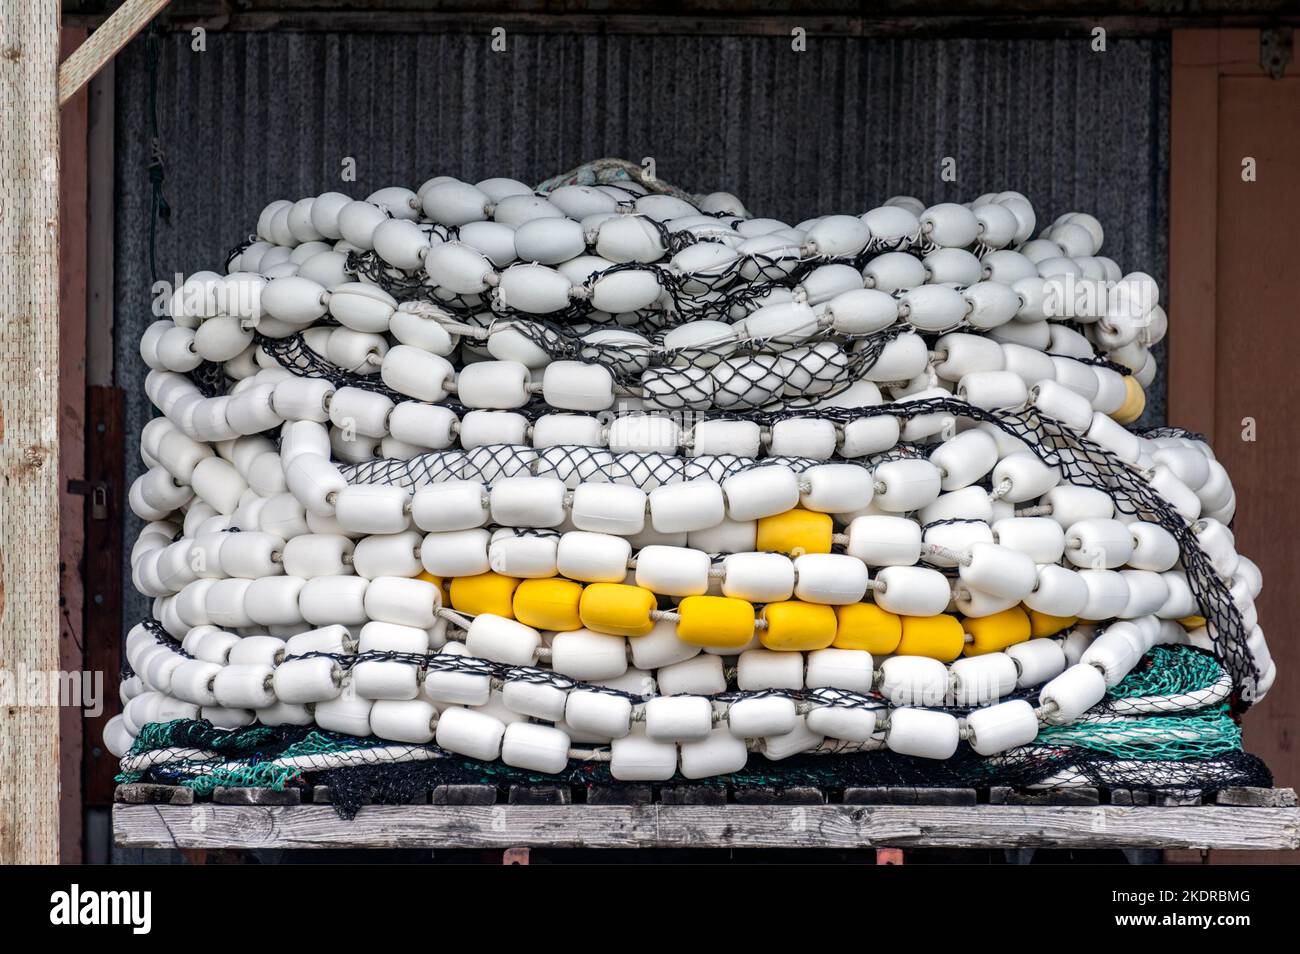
x=600, y=477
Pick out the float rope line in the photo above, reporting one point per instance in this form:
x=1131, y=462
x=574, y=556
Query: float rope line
x=833, y=374
x=718, y=294
x=1169, y=680
x=1207, y=732
x=1080, y=461
x=823, y=374
x=727, y=292
x=793, y=308
x=608, y=171
x=1198, y=750
x=159, y=209
x=358, y=772
x=723, y=290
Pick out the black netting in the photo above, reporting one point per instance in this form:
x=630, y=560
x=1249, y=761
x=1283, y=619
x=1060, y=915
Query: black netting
x=296, y=356
x=401, y=782
x=1080, y=461
x=164, y=638
x=734, y=372
x=570, y=463
x=718, y=294
x=1086, y=464
x=1179, y=432
x=447, y=662
x=1184, y=741
x=237, y=251
x=837, y=698
x=741, y=376
x=210, y=378
x=734, y=377
x=405, y=286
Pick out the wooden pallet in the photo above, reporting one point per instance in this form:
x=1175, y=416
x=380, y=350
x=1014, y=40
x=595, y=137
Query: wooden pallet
x=483, y=816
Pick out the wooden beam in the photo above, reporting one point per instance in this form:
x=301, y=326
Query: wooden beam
x=29, y=431
x=704, y=826
x=104, y=467
x=1193, y=225
x=693, y=21
x=116, y=32
x=866, y=9
x=99, y=230
x=72, y=444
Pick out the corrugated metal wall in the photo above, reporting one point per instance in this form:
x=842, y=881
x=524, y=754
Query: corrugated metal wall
x=839, y=127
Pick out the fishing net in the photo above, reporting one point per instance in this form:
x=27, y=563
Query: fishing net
x=1080, y=461
x=211, y=379
x=1175, y=750
x=685, y=333
x=732, y=372
x=1205, y=734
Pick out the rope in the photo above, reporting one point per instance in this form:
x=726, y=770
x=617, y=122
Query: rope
x=159, y=209
x=609, y=170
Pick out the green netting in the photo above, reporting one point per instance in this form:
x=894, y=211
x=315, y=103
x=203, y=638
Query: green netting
x=254, y=746
x=1205, y=734
x=261, y=775
x=1169, y=671
x=198, y=734
x=1188, y=749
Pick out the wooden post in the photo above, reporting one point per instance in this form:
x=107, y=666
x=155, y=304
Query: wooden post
x=1193, y=214
x=29, y=430
x=72, y=446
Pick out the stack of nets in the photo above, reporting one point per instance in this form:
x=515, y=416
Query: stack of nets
x=1166, y=728
x=601, y=480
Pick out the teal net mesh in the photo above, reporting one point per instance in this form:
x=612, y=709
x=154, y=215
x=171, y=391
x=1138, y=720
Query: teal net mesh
x=1204, y=734
x=1197, y=749
x=1168, y=671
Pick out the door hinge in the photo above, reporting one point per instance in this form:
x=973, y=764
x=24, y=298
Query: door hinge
x=1275, y=50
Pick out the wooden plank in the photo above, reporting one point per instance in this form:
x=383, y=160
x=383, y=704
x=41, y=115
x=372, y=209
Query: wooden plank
x=149, y=793
x=105, y=464
x=670, y=9
x=100, y=299
x=903, y=18
x=459, y=795
x=619, y=794
x=113, y=34
x=1239, y=53
x=1259, y=389
x=540, y=795
x=792, y=795
x=1069, y=795
x=72, y=450
x=1257, y=797
x=693, y=795
x=241, y=795
x=908, y=795
x=731, y=826
x=1231, y=298
x=29, y=432
x=1193, y=216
